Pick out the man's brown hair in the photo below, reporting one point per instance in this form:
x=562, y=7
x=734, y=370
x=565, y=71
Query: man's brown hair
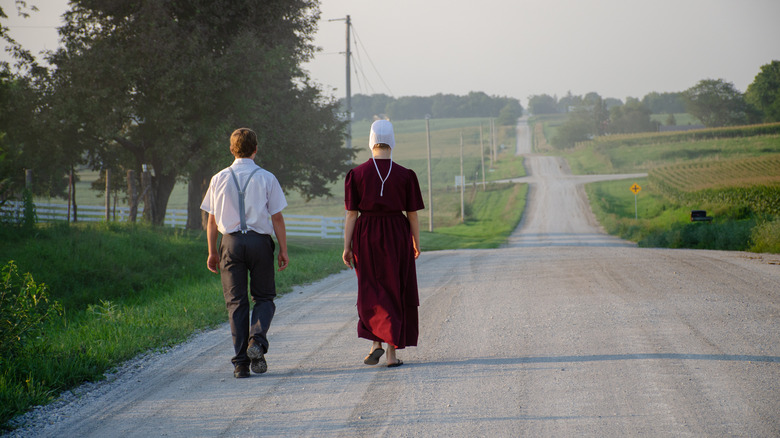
x=243, y=143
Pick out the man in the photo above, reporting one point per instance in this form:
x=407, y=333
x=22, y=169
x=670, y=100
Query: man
x=240, y=201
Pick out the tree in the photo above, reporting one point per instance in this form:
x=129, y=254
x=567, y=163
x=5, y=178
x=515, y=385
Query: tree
x=660, y=103
x=577, y=127
x=569, y=102
x=632, y=117
x=764, y=92
x=509, y=114
x=716, y=103
x=409, y=107
x=542, y=104
x=26, y=140
x=611, y=102
x=167, y=81
x=367, y=107
x=587, y=119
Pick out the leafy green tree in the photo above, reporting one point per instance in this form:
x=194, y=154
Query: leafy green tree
x=611, y=102
x=542, y=104
x=632, y=117
x=475, y=104
x=26, y=138
x=764, y=92
x=366, y=107
x=167, y=81
x=587, y=119
x=660, y=103
x=577, y=127
x=569, y=102
x=409, y=107
x=509, y=114
x=716, y=103
x=444, y=105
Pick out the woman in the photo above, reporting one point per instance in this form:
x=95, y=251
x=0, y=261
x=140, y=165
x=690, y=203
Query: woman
x=382, y=245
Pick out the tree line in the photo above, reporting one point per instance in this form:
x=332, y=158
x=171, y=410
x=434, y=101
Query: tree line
x=159, y=86
x=506, y=110
x=715, y=102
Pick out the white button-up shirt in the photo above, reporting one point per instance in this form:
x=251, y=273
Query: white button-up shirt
x=264, y=197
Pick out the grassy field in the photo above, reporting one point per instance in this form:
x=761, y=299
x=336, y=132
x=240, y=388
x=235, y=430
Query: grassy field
x=665, y=223
x=736, y=178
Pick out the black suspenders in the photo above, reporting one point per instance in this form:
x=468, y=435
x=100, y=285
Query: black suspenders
x=241, y=193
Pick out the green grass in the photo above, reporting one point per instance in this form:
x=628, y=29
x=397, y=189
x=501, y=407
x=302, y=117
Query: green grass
x=614, y=206
x=125, y=290
x=490, y=218
x=662, y=223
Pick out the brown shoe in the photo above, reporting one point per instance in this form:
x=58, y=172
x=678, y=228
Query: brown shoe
x=241, y=371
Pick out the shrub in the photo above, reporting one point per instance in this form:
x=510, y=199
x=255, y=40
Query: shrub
x=766, y=237
x=728, y=236
x=24, y=306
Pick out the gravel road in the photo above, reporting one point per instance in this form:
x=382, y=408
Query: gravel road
x=564, y=332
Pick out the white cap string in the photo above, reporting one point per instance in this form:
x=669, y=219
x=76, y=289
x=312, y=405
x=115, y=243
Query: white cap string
x=382, y=190
x=382, y=132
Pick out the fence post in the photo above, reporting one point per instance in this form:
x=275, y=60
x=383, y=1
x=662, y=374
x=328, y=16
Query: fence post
x=132, y=194
x=108, y=195
x=73, y=199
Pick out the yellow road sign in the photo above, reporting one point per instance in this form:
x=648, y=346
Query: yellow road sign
x=635, y=188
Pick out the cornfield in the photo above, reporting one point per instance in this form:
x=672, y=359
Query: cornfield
x=643, y=139
x=748, y=182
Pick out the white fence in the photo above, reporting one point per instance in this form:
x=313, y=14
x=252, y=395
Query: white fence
x=297, y=225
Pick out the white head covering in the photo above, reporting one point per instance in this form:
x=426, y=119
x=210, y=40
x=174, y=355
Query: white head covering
x=382, y=132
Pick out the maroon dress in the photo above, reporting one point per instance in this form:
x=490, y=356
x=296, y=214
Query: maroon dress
x=383, y=252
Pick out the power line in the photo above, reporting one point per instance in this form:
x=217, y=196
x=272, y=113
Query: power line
x=360, y=43
x=358, y=66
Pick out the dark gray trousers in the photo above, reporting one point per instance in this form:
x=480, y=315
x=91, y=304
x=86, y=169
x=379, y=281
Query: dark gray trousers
x=246, y=266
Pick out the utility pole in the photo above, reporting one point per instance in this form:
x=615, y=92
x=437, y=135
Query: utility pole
x=482, y=156
x=493, y=141
x=430, y=187
x=462, y=181
x=349, y=91
x=348, y=97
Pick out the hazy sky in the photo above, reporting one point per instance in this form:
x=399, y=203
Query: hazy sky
x=517, y=48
